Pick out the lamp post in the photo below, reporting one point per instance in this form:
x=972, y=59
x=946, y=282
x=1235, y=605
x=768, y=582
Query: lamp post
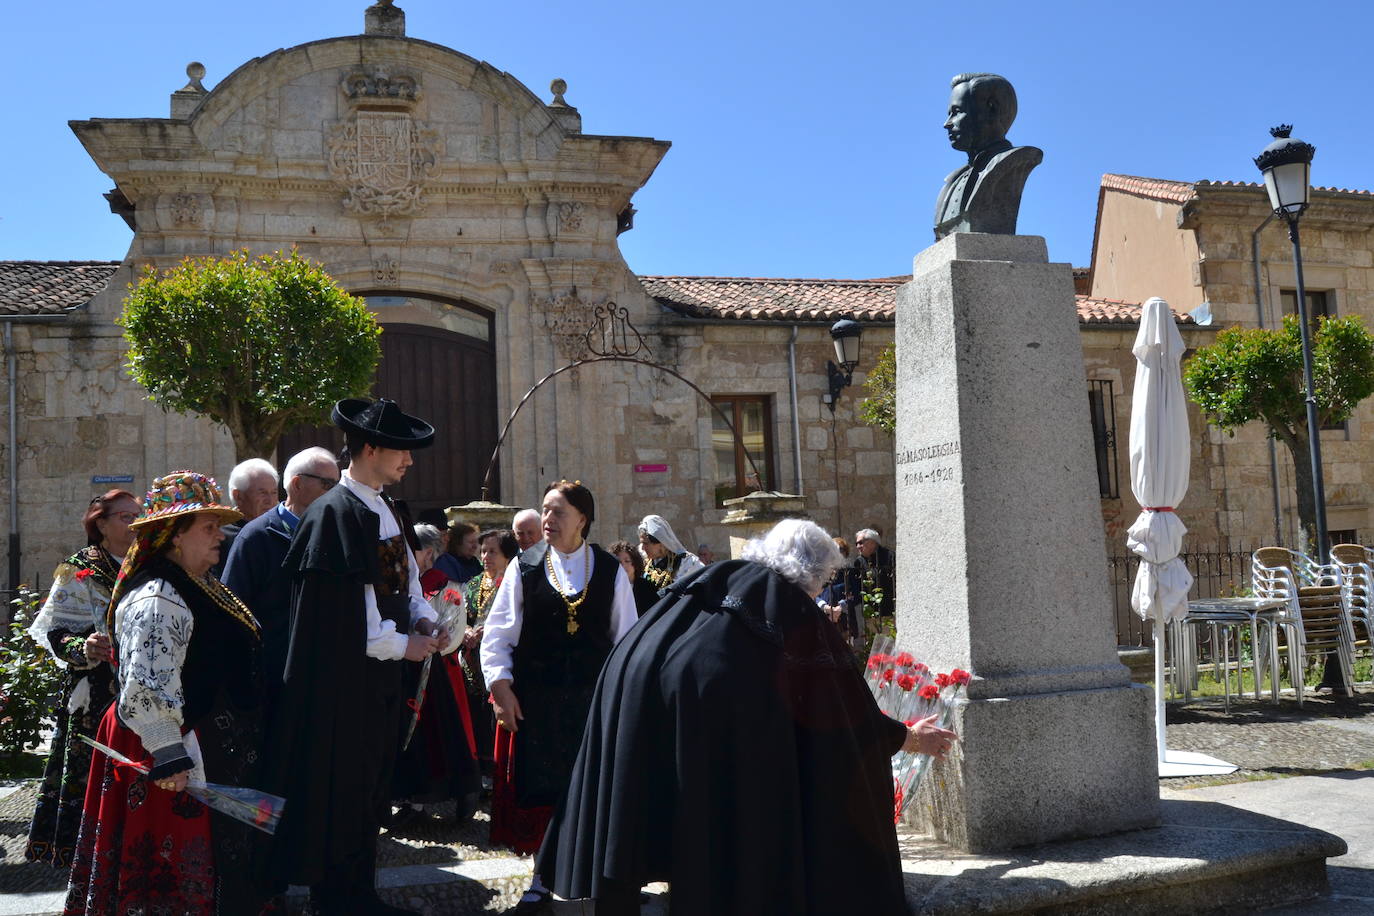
x=846, y=335
x=1287, y=167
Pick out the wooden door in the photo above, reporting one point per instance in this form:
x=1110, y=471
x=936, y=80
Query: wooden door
x=449, y=380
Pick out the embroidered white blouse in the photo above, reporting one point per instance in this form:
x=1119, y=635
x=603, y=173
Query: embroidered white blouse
x=153, y=630
x=383, y=641
x=504, y=620
x=74, y=604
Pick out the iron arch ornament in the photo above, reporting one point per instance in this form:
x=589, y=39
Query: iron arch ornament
x=613, y=338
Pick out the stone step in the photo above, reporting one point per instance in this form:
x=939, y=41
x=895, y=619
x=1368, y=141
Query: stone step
x=1204, y=857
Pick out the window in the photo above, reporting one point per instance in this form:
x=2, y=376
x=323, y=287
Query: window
x=752, y=417
x=1318, y=303
x=1102, y=408
x=1344, y=536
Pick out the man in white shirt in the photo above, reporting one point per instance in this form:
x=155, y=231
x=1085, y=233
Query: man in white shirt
x=356, y=611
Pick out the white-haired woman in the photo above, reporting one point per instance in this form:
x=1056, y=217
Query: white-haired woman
x=734, y=751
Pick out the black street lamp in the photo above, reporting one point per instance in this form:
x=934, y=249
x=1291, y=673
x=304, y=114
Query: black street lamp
x=846, y=334
x=1287, y=167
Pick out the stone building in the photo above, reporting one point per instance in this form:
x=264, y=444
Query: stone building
x=481, y=224
x=1218, y=243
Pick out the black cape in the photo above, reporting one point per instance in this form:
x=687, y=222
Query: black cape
x=734, y=751
x=332, y=736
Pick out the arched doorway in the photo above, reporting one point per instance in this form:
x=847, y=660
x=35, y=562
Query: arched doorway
x=438, y=362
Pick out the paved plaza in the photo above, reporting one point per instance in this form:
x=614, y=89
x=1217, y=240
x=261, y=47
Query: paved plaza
x=1306, y=766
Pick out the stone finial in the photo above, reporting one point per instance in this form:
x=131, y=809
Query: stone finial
x=195, y=71
x=558, y=87
x=383, y=18
x=185, y=99
x=562, y=112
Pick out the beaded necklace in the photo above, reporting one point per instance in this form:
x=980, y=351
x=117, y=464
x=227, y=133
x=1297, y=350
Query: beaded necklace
x=574, y=601
x=485, y=587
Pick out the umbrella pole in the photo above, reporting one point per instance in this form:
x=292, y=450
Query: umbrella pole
x=1159, y=687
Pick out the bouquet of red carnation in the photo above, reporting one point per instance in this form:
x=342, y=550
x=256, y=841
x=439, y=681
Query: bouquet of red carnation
x=908, y=691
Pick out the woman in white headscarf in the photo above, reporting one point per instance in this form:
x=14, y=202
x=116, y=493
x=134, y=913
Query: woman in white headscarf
x=666, y=560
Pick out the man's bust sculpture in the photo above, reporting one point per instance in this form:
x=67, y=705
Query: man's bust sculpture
x=985, y=195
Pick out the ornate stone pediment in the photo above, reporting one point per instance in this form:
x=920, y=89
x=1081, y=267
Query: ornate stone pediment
x=383, y=159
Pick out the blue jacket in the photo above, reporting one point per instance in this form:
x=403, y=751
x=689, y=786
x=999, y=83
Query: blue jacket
x=253, y=571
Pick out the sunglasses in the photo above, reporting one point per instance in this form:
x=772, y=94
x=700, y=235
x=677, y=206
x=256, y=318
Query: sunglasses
x=326, y=482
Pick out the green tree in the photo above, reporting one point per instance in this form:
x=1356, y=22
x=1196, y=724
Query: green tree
x=1256, y=374
x=879, y=408
x=258, y=344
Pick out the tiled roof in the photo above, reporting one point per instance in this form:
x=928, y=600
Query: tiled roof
x=1180, y=192
x=50, y=287
x=766, y=299
x=1093, y=310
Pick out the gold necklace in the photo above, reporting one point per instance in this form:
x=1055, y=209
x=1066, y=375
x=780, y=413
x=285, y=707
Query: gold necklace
x=484, y=589
x=659, y=576
x=574, y=601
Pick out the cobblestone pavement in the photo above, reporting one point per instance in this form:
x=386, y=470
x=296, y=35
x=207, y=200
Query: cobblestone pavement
x=1327, y=734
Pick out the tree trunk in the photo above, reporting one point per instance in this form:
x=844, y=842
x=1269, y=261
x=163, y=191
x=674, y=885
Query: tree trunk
x=1296, y=440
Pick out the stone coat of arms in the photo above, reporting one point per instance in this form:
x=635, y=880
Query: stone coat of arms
x=384, y=159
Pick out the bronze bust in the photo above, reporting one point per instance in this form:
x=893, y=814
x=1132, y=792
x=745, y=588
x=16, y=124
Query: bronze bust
x=985, y=194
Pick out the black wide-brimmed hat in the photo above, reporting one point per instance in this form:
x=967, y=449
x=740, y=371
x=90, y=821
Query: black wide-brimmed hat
x=381, y=423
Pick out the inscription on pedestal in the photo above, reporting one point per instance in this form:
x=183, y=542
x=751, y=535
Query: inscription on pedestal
x=928, y=464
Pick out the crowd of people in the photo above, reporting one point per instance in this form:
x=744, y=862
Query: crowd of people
x=638, y=713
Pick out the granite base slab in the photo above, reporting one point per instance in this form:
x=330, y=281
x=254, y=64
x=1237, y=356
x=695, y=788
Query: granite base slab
x=1204, y=857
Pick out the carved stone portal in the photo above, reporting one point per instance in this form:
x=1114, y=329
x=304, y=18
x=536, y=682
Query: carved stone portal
x=383, y=159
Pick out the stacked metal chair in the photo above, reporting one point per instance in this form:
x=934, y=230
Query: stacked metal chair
x=1354, y=563
x=1317, y=620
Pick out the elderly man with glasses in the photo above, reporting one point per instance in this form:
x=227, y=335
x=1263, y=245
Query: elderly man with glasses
x=877, y=568
x=254, y=571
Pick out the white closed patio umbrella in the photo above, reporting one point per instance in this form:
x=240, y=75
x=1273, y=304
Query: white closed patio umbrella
x=1160, y=454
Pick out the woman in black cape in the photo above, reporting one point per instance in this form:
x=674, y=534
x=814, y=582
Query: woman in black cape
x=734, y=751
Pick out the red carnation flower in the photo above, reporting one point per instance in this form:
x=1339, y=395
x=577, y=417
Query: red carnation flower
x=906, y=682
x=888, y=675
x=910, y=723
x=875, y=662
x=961, y=677
x=84, y=574
x=929, y=692
x=905, y=659
x=452, y=595
x=943, y=680
x=922, y=667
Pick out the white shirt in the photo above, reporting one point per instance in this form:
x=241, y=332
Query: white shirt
x=507, y=614
x=383, y=641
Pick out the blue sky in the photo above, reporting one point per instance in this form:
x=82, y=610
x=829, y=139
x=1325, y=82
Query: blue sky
x=806, y=136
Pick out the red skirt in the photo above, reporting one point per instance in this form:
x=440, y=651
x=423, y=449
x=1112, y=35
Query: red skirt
x=522, y=829
x=140, y=848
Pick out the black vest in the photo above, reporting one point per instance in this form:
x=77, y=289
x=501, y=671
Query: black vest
x=547, y=654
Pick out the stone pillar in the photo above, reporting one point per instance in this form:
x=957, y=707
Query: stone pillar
x=752, y=515
x=1000, y=557
x=482, y=514
x=382, y=18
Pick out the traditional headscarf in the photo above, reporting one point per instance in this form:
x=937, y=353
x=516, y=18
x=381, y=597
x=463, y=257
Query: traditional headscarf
x=657, y=527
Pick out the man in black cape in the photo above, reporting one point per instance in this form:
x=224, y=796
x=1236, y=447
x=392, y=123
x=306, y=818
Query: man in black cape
x=355, y=615
x=734, y=750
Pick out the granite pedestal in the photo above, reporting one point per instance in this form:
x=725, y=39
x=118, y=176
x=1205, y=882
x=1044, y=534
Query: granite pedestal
x=1000, y=556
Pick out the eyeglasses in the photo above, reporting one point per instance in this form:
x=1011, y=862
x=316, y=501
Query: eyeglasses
x=127, y=518
x=326, y=482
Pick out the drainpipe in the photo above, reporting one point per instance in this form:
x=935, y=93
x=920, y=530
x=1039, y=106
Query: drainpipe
x=12, y=455
x=1259, y=313
x=796, y=420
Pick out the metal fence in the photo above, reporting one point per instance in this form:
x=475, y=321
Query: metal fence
x=1219, y=571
